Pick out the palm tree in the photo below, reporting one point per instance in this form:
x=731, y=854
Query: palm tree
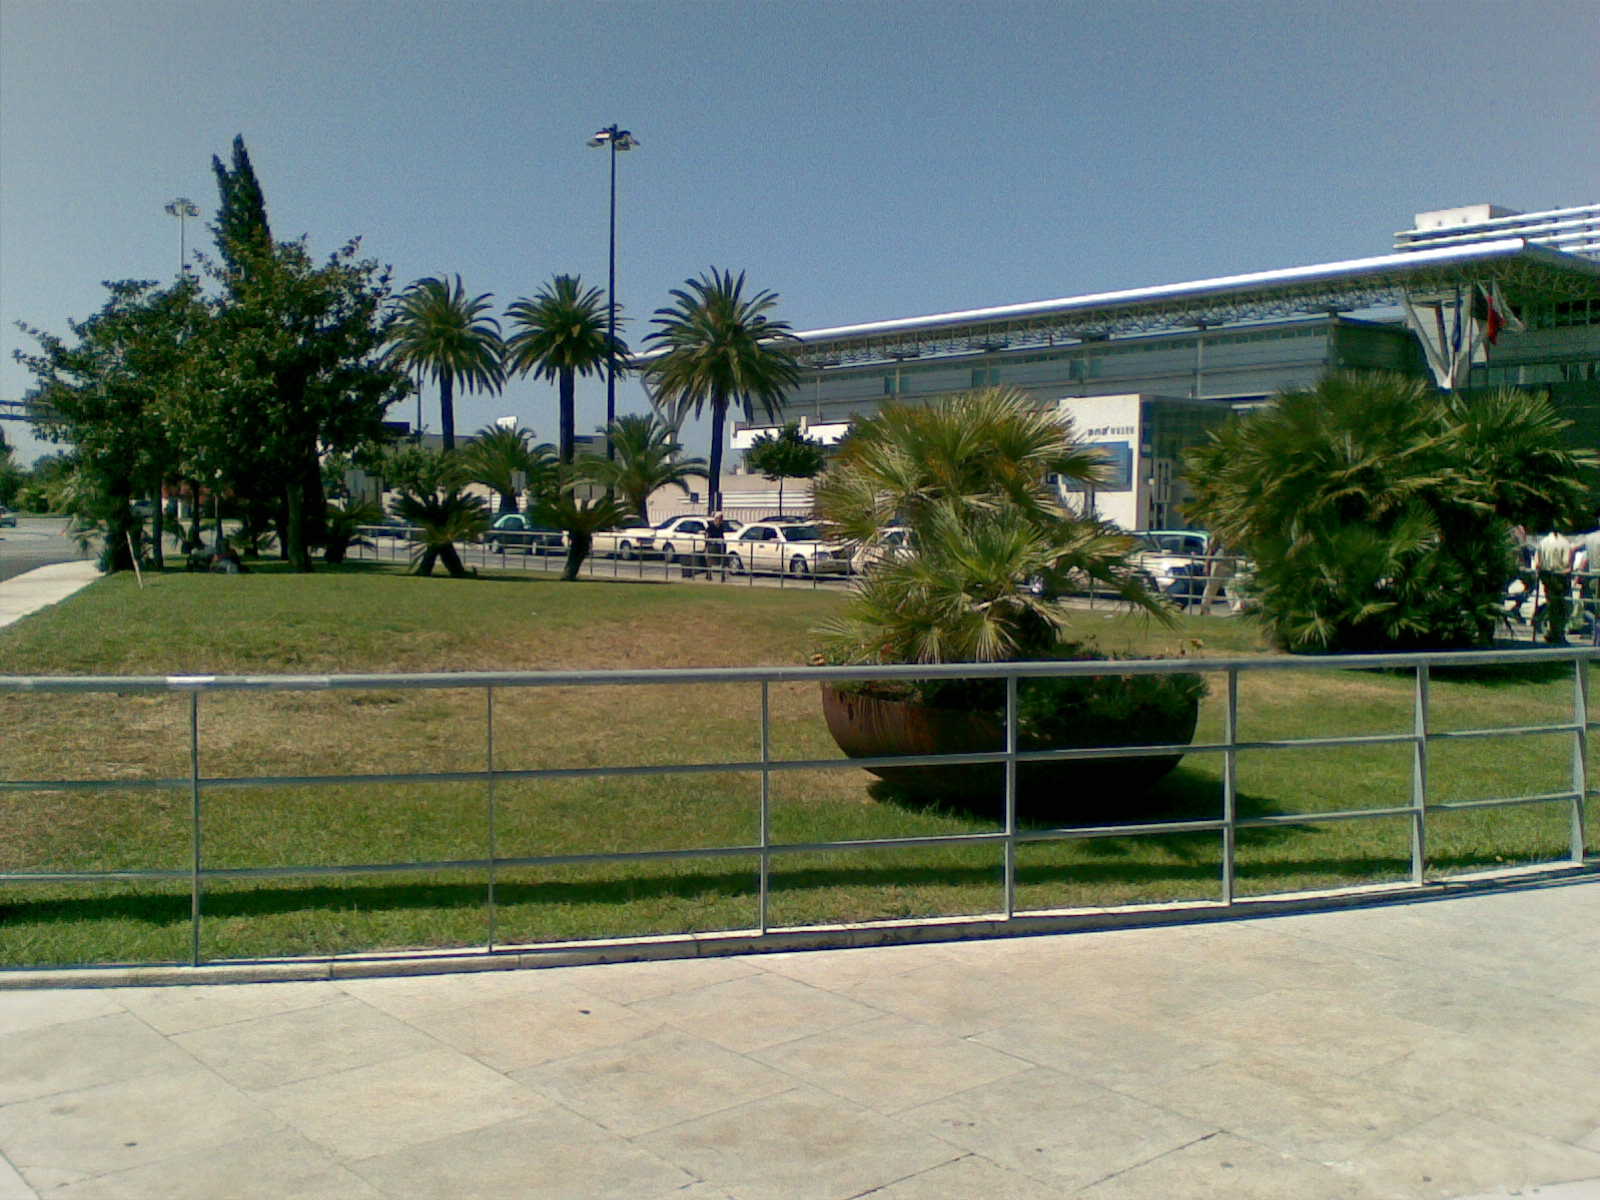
x=647, y=459
x=495, y=455
x=577, y=516
x=721, y=348
x=966, y=475
x=442, y=520
x=439, y=331
x=561, y=334
x=1378, y=512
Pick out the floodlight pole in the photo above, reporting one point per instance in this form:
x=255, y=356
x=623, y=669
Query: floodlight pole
x=182, y=207
x=615, y=139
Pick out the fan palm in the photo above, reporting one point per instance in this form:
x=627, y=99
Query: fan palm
x=497, y=454
x=720, y=348
x=1378, y=512
x=561, y=334
x=647, y=459
x=438, y=331
x=966, y=475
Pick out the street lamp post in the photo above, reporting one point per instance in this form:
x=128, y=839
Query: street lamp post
x=616, y=139
x=182, y=207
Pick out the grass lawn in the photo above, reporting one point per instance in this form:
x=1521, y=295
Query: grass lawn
x=372, y=618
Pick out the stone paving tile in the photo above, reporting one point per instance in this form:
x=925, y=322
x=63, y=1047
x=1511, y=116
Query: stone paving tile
x=553, y=1155
x=1285, y=1107
x=184, y=1010
x=72, y=1136
x=1063, y=1132
x=269, y=1051
x=1459, y=1152
x=801, y=1145
x=1103, y=1045
x=523, y=1031
x=80, y=1054
x=839, y=970
x=1527, y=1087
x=629, y=983
x=412, y=997
x=23, y=1010
x=654, y=1082
x=755, y=1011
x=278, y=1166
x=401, y=1102
x=12, y=1186
x=971, y=1177
x=890, y=1064
x=955, y=1000
x=1225, y=1167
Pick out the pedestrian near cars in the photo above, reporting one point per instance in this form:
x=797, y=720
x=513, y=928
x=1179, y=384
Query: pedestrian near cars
x=716, y=543
x=1552, y=558
x=1220, y=568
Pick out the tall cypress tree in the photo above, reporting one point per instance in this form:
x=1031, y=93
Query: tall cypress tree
x=241, y=227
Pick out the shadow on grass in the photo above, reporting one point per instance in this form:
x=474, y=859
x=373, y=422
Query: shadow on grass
x=278, y=899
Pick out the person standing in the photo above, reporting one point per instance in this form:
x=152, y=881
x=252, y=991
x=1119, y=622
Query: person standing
x=1553, y=560
x=717, y=543
x=1220, y=569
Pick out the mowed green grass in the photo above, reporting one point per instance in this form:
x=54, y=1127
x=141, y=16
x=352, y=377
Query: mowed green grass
x=369, y=618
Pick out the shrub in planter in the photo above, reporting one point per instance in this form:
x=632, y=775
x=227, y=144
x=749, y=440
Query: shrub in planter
x=966, y=477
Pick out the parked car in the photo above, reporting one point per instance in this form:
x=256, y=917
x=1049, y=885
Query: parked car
x=7, y=517
x=784, y=547
x=892, y=541
x=514, y=531
x=1167, y=555
x=671, y=539
x=389, y=527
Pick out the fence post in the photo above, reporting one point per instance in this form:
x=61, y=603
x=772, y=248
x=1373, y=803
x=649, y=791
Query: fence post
x=1011, y=797
x=1419, y=778
x=196, y=832
x=1230, y=788
x=766, y=801
x=488, y=765
x=1580, y=744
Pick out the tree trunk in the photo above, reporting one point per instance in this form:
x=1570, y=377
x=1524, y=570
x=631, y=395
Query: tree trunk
x=567, y=390
x=115, y=554
x=719, y=419
x=452, y=562
x=425, y=563
x=508, y=503
x=780, y=495
x=579, y=543
x=447, y=410
x=194, y=541
x=294, y=547
x=158, y=532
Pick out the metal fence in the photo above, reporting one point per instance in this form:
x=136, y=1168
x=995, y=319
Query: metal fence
x=1420, y=736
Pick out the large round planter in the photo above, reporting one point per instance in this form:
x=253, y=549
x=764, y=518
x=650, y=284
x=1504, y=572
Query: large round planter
x=870, y=726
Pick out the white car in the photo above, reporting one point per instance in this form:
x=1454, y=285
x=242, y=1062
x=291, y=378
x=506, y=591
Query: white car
x=893, y=541
x=671, y=538
x=1167, y=555
x=787, y=547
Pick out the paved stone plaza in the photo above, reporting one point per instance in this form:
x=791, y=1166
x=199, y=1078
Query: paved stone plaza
x=1439, y=1049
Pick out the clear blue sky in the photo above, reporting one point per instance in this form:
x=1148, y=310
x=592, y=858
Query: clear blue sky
x=863, y=160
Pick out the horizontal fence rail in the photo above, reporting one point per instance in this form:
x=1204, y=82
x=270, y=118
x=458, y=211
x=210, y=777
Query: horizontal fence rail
x=1419, y=736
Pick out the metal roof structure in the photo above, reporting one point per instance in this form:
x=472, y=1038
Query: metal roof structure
x=1524, y=272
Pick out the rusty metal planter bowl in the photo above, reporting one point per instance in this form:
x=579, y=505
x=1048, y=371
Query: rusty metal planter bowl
x=867, y=725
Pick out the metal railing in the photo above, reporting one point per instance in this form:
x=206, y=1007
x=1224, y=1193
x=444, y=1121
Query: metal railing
x=1420, y=737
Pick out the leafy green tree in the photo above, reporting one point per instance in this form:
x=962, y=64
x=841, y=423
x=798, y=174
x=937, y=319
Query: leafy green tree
x=299, y=350
x=12, y=476
x=560, y=335
x=647, y=460
x=1378, y=512
x=497, y=454
x=720, y=348
x=106, y=388
x=966, y=475
x=789, y=455
x=439, y=331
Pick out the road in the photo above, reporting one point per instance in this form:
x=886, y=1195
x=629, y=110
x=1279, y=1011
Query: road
x=35, y=542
